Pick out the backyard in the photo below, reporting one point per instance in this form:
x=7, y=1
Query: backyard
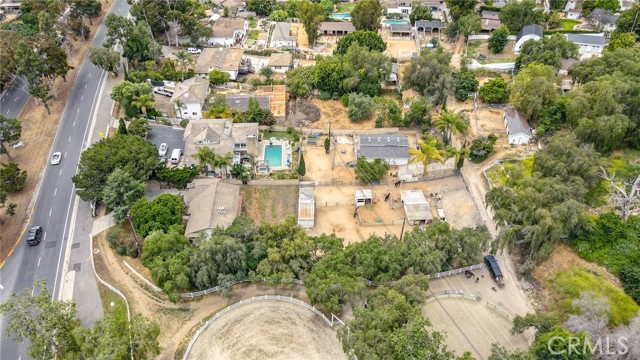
x=479, y=50
x=345, y=7
x=269, y=204
x=569, y=24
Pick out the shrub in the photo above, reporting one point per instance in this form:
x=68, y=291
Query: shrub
x=360, y=107
x=122, y=243
x=494, y=91
x=345, y=100
x=482, y=148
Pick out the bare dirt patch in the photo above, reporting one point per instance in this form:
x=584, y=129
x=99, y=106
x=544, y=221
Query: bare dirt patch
x=38, y=133
x=334, y=111
x=399, y=48
x=490, y=122
x=269, y=204
x=329, y=167
x=297, y=29
x=480, y=47
x=268, y=330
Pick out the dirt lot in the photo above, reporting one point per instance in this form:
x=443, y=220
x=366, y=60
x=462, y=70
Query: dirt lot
x=298, y=28
x=399, y=48
x=268, y=330
x=38, y=130
x=269, y=204
x=334, y=111
x=490, y=122
x=319, y=164
x=481, y=47
x=335, y=208
x=177, y=321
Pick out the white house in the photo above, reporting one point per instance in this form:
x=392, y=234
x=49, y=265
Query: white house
x=189, y=97
x=603, y=20
x=528, y=32
x=392, y=148
x=626, y=5
x=222, y=59
x=590, y=45
x=281, y=62
x=228, y=32
x=574, y=14
x=518, y=130
x=402, y=7
x=281, y=37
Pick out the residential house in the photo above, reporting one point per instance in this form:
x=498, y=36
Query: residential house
x=392, y=148
x=490, y=20
x=189, y=97
x=402, y=30
x=626, y=5
x=528, y=32
x=416, y=207
x=281, y=62
x=574, y=14
x=336, y=28
x=518, y=130
x=566, y=65
x=429, y=25
x=10, y=7
x=211, y=203
x=571, y=4
x=222, y=59
x=232, y=5
x=399, y=7
x=281, y=37
x=590, y=45
x=240, y=102
x=222, y=136
x=243, y=14
x=262, y=39
x=603, y=20
x=306, y=208
x=228, y=32
x=499, y=3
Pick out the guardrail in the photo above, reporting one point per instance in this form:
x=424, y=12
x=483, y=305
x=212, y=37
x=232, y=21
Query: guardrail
x=252, y=300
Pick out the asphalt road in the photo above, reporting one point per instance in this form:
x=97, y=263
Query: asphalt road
x=56, y=197
x=13, y=100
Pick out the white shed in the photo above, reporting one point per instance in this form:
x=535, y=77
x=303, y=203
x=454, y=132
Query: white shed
x=528, y=32
x=416, y=207
x=363, y=197
x=518, y=130
x=306, y=208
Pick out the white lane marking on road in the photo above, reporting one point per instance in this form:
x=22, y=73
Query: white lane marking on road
x=81, y=97
x=33, y=289
x=15, y=99
x=40, y=258
x=65, y=154
x=74, y=124
x=55, y=192
x=85, y=85
x=44, y=237
x=90, y=74
x=78, y=110
x=50, y=210
x=60, y=171
x=69, y=138
x=1, y=287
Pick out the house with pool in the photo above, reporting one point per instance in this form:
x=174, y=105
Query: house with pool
x=274, y=154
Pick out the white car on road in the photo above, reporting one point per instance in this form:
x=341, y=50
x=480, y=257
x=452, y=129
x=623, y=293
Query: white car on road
x=162, y=150
x=56, y=158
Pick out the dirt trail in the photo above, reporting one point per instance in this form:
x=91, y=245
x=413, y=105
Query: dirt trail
x=38, y=133
x=177, y=321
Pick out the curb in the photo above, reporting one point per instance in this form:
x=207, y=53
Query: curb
x=18, y=240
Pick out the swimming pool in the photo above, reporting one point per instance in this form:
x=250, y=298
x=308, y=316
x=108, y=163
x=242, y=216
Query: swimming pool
x=396, y=22
x=341, y=16
x=273, y=154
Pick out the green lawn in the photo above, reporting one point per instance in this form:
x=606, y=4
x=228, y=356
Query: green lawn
x=568, y=24
x=279, y=135
x=253, y=34
x=346, y=7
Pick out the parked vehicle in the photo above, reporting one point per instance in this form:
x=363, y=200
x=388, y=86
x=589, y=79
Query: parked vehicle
x=34, y=235
x=175, y=156
x=494, y=269
x=194, y=51
x=162, y=150
x=163, y=91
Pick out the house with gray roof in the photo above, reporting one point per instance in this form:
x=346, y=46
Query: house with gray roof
x=529, y=32
x=391, y=148
x=518, y=129
x=281, y=37
x=589, y=45
x=306, y=208
x=490, y=20
x=603, y=20
x=240, y=103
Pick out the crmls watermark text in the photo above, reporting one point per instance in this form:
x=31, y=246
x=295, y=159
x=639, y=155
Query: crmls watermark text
x=574, y=345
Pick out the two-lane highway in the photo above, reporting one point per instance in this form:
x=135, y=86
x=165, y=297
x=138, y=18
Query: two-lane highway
x=13, y=100
x=56, y=195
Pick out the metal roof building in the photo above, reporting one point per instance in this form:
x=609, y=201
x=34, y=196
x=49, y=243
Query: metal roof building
x=306, y=208
x=392, y=148
x=416, y=207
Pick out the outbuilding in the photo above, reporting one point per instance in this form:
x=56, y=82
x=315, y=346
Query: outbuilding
x=529, y=32
x=392, y=148
x=518, y=130
x=416, y=207
x=306, y=208
x=363, y=197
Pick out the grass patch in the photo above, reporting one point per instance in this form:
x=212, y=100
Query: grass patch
x=498, y=60
x=346, y=7
x=280, y=135
x=119, y=307
x=568, y=24
x=506, y=170
x=570, y=284
x=253, y=34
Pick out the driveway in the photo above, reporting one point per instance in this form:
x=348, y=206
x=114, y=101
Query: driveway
x=172, y=136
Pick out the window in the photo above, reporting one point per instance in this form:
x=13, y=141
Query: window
x=194, y=113
x=240, y=146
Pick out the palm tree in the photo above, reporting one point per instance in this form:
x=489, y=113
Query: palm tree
x=427, y=154
x=449, y=123
x=142, y=102
x=180, y=106
x=205, y=156
x=224, y=161
x=458, y=154
x=185, y=58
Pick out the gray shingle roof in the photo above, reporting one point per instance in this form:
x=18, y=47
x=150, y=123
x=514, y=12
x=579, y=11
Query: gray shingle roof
x=241, y=102
x=282, y=32
x=531, y=29
x=516, y=122
x=384, y=146
x=595, y=39
x=429, y=24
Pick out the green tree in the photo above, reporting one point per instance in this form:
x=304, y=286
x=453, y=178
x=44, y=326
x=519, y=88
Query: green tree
x=311, y=15
x=140, y=45
x=534, y=88
x=418, y=114
x=557, y=343
x=122, y=127
x=368, y=39
x=494, y=91
x=127, y=152
x=217, y=257
x=517, y=14
x=547, y=51
x=458, y=154
x=279, y=16
x=498, y=39
x=430, y=75
x=427, y=154
x=120, y=192
x=178, y=177
x=627, y=21
x=482, y=148
x=366, y=15
x=256, y=114
x=133, y=97
x=302, y=167
x=139, y=127
x=589, y=5
x=465, y=82
x=185, y=58
x=118, y=28
x=450, y=123
x=329, y=75
x=217, y=77
x=11, y=178
x=205, y=156
x=364, y=70
x=419, y=12
x=48, y=325
x=370, y=172
x=105, y=59
x=267, y=72
x=162, y=213
x=142, y=102
x=260, y=7
x=468, y=24
x=300, y=80
x=10, y=133
x=327, y=145
x=543, y=322
x=622, y=40
x=460, y=8
x=167, y=256
x=498, y=352
x=360, y=107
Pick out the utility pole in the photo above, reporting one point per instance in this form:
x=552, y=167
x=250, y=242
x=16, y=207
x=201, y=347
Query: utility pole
x=404, y=220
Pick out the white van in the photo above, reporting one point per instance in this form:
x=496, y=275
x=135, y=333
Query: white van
x=194, y=51
x=163, y=91
x=175, y=156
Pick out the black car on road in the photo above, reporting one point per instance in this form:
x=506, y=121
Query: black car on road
x=34, y=235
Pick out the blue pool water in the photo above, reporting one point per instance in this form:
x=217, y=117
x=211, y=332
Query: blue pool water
x=273, y=154
x=396, y=22
x=342, y=16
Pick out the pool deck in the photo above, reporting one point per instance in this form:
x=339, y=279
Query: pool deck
x=286, y=152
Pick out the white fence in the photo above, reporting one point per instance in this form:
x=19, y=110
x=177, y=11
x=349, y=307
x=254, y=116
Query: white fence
x=431, y=276
x=149, y=283
x=292, y=300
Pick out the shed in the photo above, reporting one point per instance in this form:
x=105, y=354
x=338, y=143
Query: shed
x=392, y=148
x=529, y=32
x=518, y=130
x=306, y=208
x=401, y=30
x=416, y=207
x=363, y=197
